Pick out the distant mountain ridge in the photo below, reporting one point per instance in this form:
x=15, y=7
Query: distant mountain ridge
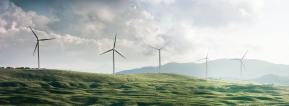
x=273, y=79
x=222, y=68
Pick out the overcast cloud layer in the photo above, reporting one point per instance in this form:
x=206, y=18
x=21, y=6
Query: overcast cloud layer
x=187, y=28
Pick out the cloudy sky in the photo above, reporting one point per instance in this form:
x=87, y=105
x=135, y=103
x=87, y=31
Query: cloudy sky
x=188, y=28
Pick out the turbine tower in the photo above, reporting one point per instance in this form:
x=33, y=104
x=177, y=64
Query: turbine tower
x=113, y=52
x=206, y=60
x=160, y=59
x=37, y=46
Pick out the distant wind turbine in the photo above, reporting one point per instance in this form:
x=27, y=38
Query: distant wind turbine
x=206, y=59
x=37, y=46
x=113, y=52
x=160, y=60
x=242, y=65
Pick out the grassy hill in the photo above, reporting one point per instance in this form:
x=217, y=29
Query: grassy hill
x=55, y=87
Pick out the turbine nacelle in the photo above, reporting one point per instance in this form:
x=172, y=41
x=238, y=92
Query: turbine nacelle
x=156, y=48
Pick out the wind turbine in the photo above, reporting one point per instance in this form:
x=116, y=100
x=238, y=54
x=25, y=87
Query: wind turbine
x=37, y=46
x=113, y=52
x=242, y=62
x=160, y=60
x=206, y=59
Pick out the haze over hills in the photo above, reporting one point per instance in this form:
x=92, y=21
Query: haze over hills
x=273, y=79
x=222, y=68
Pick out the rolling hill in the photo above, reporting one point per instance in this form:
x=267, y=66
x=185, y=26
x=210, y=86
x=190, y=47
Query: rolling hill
x=56, y=87
x=223, y=68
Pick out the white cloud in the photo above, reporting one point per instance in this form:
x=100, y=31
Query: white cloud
x=14, y=18
x=105, y=15
x=157, y=2
x=17, y=42
x=85, y=28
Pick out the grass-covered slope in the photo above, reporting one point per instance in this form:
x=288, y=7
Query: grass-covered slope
x=54, y=87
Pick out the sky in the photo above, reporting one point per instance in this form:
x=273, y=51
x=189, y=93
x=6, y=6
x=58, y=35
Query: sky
x=187, y=29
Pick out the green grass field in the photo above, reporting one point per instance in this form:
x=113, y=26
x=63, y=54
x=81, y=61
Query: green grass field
x=55, y=87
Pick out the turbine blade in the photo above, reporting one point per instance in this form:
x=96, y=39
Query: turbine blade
x=33, y=32
x=37, y=44
x=106, y=52
x=201, y=59
x=47, y=39
x=154, y=47
x=114, y=40
x=244, y=54
x=120, y=54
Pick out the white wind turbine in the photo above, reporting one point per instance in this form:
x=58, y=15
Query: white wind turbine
x=113, y=52
x=160, y=59
x=242, y=65
x=206, y=60
x=38, y=45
